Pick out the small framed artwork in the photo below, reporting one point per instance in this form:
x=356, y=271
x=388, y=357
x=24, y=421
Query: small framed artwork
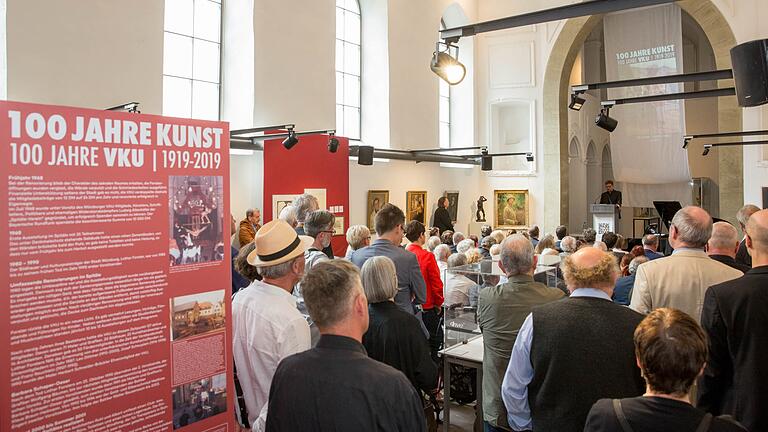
x=338, y=226
x=511, y=208
x=415, y=206
x=376, y=200
x=453, y=204
x=279, y=202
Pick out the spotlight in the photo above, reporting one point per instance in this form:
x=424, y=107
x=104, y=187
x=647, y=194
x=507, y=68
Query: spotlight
x=529, y=157
x=365, y=155
x=707, y=147
x=604, y=121
x=447, y=67
x=290, y=140
x=486, y=162
x=333, y=144
x=576, y=102
x=686, y=140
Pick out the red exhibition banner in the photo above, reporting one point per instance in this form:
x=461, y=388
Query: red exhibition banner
x=116, y=272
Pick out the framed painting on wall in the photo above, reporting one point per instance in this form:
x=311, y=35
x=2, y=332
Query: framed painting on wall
x=376, y=200
x=415, y=208
x=279, y=202
x=511, y=208
x=453, y=204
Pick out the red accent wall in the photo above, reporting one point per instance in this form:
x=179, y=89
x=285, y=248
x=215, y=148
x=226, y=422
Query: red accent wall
x=309, y=165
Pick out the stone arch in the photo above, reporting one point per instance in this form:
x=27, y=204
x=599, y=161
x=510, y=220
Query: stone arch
x=555, y=106
x=591, y=153
x=573, y=149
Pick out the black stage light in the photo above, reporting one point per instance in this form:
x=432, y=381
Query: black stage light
x=529, y=157
x=686, y=140
x=333, y=144
x=576, y=102
x=604, y=121
x=706, y=150
x=291, y=140
x=448, y=68
x=365, y=155
x=486, y=162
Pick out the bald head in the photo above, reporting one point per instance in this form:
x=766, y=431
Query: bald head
x=693, y=228
x=590, y=267
x=757, y=238
x=517, y=255
x=724, y=240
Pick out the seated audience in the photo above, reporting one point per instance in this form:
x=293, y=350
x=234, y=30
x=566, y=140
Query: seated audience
x=434, y=232
x=624, y=264
x=735, y=319
x=723, y=244
x=501, y=310
x=389, y=222
x=485, y=247
x=441, y=253
x=533, y=233
x=548, y=242
x=447, y=238
x=611, y=241
x=570, y=353
x=246, y=231
x=266, y=325
x=458, y=237
x=474, y=239
x=679, y=281
x=560, y=232
x=568, y=245
x=457, y=286
x=485, y=231
x=473, y=256
x=589, y=236
x=495, y=251
x=288, y=214
x=394, y=336
x=637, y=251
x=651, y=246
x=671, y=350
x=623, y=291
x=464, y=245
x=415, y=233
x=742, y=216
x=600, y=245
x=498, y=235
x=432, y=243
x=358, y=237
x=336, y=386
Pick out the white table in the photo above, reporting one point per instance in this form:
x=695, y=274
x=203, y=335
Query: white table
x=468, y=354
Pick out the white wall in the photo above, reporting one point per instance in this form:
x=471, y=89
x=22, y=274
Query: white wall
x=87, y=53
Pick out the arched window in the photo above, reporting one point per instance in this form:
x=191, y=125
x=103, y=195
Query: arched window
x=348, y=68
x=444, y=110
x=191, y=58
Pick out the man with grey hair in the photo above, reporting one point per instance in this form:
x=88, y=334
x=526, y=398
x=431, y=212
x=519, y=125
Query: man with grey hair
x=442, y=252
x=248, y=227
x=458, y=237
x=679, y=281
x=319, y=226
x=305, y=204
x=288, y=214
x=485, y=246
x=501, y=310
x=561, y=340
x=432, y=243
x=457, y=286
x=651, y=247
x=463, y=246
x=266, y=325
x=742, y=216
x=336, y=386
x=723, y=244
x=568, y=244
x=623, y=291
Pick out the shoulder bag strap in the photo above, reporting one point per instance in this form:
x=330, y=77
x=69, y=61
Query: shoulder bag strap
x=705, y=422
x=620, y=415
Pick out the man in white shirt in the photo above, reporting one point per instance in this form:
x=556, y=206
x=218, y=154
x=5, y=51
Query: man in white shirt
x=442, y=252
x=457, y=286
x=266, y=325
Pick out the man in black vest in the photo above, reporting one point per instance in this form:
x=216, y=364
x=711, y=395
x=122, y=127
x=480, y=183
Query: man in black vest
x=570, y=353
x=611, y=196
x=735, y=320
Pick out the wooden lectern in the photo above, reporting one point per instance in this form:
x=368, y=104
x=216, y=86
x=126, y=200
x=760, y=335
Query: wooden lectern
x=605, y=217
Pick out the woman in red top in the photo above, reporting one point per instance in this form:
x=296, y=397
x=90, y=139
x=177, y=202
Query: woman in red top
x=415, y=233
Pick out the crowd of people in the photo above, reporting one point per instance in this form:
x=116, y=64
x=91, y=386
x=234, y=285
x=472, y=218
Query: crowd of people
x=632, y=340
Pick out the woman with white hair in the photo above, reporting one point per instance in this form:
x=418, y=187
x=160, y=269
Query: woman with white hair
x=395, y=337
x=358, y=237
x=465, y=245
x=433, y=242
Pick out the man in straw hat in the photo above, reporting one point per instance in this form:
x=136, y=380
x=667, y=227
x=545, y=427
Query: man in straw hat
x=266, y=325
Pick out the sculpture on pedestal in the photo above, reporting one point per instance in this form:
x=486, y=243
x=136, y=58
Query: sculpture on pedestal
x=480, y=215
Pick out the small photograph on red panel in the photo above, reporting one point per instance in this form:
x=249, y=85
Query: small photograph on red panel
x=199, y=400
x=196, y=314
x=195, y=206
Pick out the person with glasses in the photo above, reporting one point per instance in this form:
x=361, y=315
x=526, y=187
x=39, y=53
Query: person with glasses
x=411, y=288
x=319, y=226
